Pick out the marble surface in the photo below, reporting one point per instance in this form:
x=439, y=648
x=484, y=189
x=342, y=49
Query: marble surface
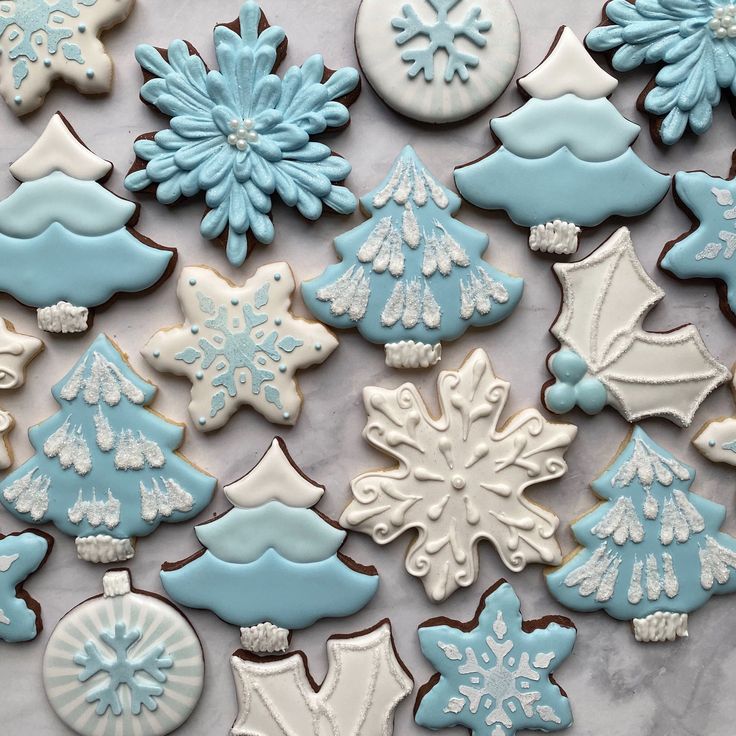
x=617, y=687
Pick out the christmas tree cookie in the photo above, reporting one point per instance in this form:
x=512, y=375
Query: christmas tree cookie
x=564, y=160
x=241, y=134
x=240, y=345
x=271, y=563
x=412, y=276
x=495, y=673
x=67, y=244
x=460, y=479
x=651, y=551
x=124, y=662
x=106, y=468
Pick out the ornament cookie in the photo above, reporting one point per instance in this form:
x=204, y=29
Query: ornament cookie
x=43, y=41
x=240, y=345
x=271, y=563
x=437, y=61
x=459, y=478
x=607, y=358
x=21, y=554
x=124, y=662
x=651, y=552
x=106, y=468
x=495, y=673
x=412, y=275
x=67, y=242
x=241, y=135
x=564, y=160
x=366, y=680
x=693, y=41
x=717, y=439
x=707, y=250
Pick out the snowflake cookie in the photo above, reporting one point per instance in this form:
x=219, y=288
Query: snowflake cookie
x=240, y=345
x=564, y=160
x=437, y=61
x=607, y=358
x=459, y=479
x=45, y=40
x=106, y=468
x=123, y=661
x=495, y=672
x=21, y=554
x=694, y=41
x=241, y=134
x=651, y=552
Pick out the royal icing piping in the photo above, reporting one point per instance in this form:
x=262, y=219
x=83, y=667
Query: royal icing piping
x=365, y=683
x=694, y=42
x=6, y=425
x=660, y=626
x=565, y=156
x=460, y=479
x=16, y=352
x=271, y=558
x=21, y=554
x=43, y=41
x=239, y=345
x=438, y=61
x=606, y=356
x=495, y=673
x=651, y=546
x=717, y=440
x=105, y=467
x=412, y=273
x=123, y=662
x=242, y=134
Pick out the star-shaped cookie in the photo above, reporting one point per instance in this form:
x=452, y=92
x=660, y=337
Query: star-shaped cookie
x=16, y=352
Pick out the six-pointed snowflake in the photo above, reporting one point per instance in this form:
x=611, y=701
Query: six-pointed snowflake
x=242, y=134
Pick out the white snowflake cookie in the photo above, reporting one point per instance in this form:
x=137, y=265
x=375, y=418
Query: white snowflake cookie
x=240, y=345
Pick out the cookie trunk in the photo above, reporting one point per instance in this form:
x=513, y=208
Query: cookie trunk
x=557, y=236
x=62, y=317
x=660, y=626
x=264, y=638
x=104, y=548
x=411, y=354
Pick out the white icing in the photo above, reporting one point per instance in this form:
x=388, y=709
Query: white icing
x=264, y=638
x=30, y=494
x=411, y=302
x=411, y=354
x=115, y=583
x=6, y=425
x=568, y=69
x=6, y=561
x=408, y=184
x=134, y=452
x=158, y=501
x=558, y=237
x=646, y=465
x=96, y=512
x=717, y=441
x=69, y=445
x=103, y=382
x=104, y=548
x=716, y=563
x=660, y=626
x=441, y=252
x=348, y=295
x=679, y=519
x=62, y=317
x=478, y=293
x=598, y=575
x=621, y=523
x=16, y=352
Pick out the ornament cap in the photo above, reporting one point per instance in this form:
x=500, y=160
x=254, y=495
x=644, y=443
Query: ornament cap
x=116, y=583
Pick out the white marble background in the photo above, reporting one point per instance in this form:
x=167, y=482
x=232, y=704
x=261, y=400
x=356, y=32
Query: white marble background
x=617, y=687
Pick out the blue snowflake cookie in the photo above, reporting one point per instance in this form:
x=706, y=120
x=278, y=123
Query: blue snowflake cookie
x=241, y=134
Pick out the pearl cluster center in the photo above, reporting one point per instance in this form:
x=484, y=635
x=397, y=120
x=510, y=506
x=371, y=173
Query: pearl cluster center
x=242, y=133
x=723, y=24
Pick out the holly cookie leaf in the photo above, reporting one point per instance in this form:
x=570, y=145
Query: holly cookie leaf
x=365, y=683
x=608, y=358
x=459, y=479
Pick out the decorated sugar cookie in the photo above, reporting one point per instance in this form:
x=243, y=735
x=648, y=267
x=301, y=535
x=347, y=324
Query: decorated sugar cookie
x=43, y=41
x=240, y=345
x=651, y=551
x=412, y=276
x=460, y=478
x=437, y=60
x=495, y=673
x=6, y=452
x=693, y=41
x=606, y=357
x=564, y=160
x=717, y=439
x=366, y=680
x=106, y=470
x=241, y=135
x=21, y=554
x=124, y=662
x=271, y=563
x=66, y=242
x=707, y=250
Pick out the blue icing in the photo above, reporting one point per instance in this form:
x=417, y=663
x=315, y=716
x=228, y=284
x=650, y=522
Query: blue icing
x=104, y=464
x=573, y=387
x=496, y=678
x=696, y=42
x=242, y=134
x=708, y=252
x=411, y=272
x=20, y=556
x=649, y=531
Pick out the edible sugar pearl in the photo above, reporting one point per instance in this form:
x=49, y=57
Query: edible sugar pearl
x=723, y=23
x=243, y=134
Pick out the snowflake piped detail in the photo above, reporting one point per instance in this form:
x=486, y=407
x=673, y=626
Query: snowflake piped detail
x=495, y=674
x=139, y=673
x=696, y=42
x=242, y=134
x=441, y=35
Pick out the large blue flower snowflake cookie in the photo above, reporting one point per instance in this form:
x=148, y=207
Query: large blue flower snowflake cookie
x=241, y=134
x=693, y=41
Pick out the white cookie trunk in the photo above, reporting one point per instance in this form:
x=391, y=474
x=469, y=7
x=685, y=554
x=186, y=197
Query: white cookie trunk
x=660, y=626
x=558, y=237
x=62, y=317
x=104, y=548
x=264, y=638
x=116, y=583
x=410, y=354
